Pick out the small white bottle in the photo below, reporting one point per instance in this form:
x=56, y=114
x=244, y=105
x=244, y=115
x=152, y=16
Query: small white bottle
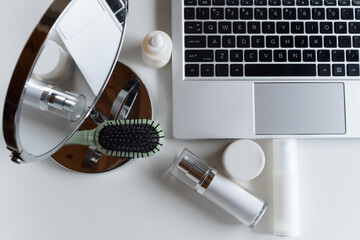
x=53, y=100
x=205, y=180
x=156, y=49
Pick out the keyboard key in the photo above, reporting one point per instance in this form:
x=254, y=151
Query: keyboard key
x=339, y=69
x=236, y=55
x=352, y=55
x=354, y=27
x=302, y=2
x=280, y=56
x=121, y=15
x=250, y=55
x=357, y=13
x=312, y=27
x=207, y=70
x=323, y=55
x=190, y=2
x=191, y=70
x=246, y=2
x=260, y=13
x=297, y=27
x=288, y=2
x=189, y=13
x=268, y=27
x=318, y=13
x=217, y=13
x=202, y=13
x=353, y=69
x=340, y=27
x=218, y=2
x=210, y=27
x=332, y=13
x=195, y=41
x=294, y=55
x=330, y=2
x=301, y=41
x=229, y=42
x=232, y=2
x=316, y=41
x=274, y=2
x=243, y=41
x=324, y=70
x=214, y=41
x=344, y=2
x=239, y=27
x=338, y=55
x=309, y=56
x=289, y=13
x=260, y=2
x=274, y=13
x=204, y=2
x=344, y=41
x=326, y=27
x=236, y=70
x=304, y=13
x=257, y=41
x=265, y=55
x=316, y=2
x=253, y=27
x=246, y=13
x=287, y=41
x=284, y=70
x=221, y=55
x=193, y=27
x=356, y=2
x=282, y=27
x=199, y=56
x=356, y=41
x=222, y=70
x=330, y=41
x=224, y=27
x=272, y=41
x=232, y=13
x=114, y=5
x=347, y=13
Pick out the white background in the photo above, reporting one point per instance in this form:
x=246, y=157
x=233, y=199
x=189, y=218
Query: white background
x=140, y=200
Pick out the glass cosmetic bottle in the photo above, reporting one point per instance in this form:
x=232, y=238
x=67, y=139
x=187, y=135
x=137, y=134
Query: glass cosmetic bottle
x=206, y=181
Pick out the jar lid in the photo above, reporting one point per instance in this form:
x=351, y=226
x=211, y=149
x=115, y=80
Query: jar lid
x=243, y=160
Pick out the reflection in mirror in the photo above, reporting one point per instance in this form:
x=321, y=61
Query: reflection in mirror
x=70, y=72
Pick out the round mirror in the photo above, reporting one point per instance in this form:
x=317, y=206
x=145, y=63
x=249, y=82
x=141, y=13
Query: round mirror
x=60, y=75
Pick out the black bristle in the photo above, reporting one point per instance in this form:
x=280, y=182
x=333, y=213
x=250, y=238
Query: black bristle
x=127, y=137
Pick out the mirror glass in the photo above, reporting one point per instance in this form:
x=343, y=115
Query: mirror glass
x=69, y=73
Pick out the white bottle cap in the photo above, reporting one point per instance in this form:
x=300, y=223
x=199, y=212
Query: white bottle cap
x=243, y=160
x=157, y=49
x=52, y=64
x=156, y=43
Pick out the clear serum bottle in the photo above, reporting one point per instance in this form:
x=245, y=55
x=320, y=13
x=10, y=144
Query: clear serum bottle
x=228, y=195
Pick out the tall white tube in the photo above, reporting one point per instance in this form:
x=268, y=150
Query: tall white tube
x=286, y=188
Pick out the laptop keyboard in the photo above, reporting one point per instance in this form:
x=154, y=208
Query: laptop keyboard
x=271, y=38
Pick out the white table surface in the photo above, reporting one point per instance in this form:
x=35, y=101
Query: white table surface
x=140, y=201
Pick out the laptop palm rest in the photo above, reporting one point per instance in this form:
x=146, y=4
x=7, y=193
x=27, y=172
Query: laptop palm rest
x=299, y=108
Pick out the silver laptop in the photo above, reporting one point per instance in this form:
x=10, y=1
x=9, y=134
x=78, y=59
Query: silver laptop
x=266, y=68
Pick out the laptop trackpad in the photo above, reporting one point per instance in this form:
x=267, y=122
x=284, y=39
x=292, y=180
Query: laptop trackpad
x=299, y=108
